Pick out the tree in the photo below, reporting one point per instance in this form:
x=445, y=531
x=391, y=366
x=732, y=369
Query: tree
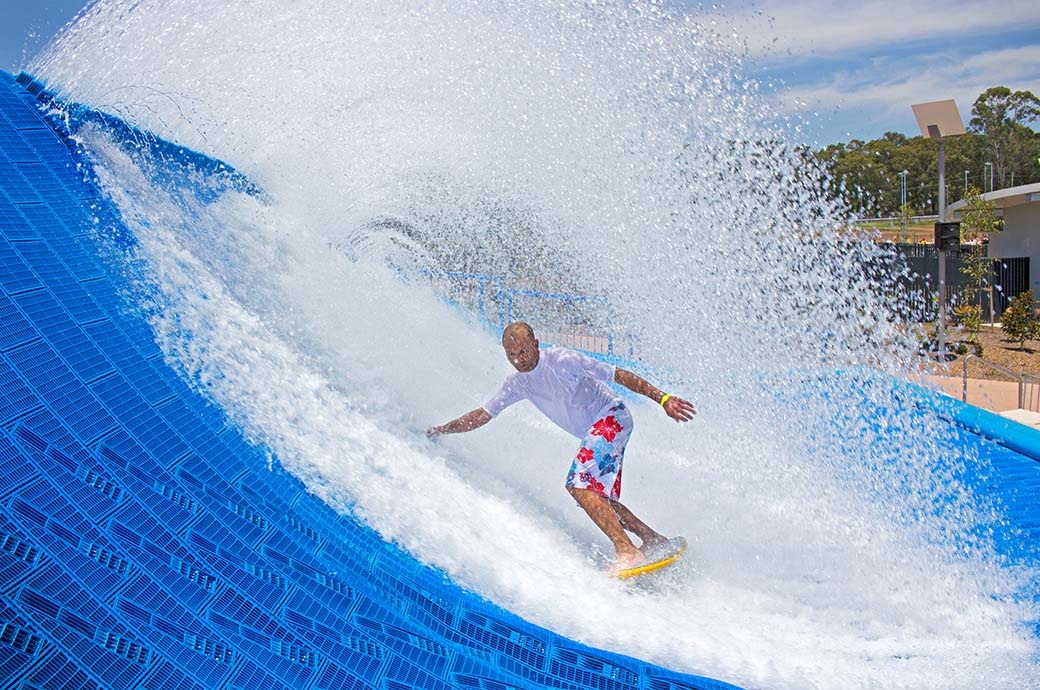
x=977, y=223
x=979, y=219
x=865, y=174
x=1020, y=321
x=861, y=175
x=1025, y=157
x=1001, y=115
x=905, y=213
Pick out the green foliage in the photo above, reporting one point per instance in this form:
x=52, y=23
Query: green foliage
x=1021, y=321
x=980, y=216
x=968, y=317
x=867, y=173
x=1001, y=115
x=978, y=269
x=977, y=223
x=906, y=211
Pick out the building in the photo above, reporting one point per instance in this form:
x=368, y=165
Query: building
x=1020, y=209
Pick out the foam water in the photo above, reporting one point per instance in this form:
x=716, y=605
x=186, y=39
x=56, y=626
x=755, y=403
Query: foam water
x=610, y=149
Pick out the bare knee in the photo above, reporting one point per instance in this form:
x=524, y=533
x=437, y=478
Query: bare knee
x=583, y=497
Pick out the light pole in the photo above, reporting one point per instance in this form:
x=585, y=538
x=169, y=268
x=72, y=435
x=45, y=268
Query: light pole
x=902, y=198
x=940, y=119
x=990, y=166
x=965, y=184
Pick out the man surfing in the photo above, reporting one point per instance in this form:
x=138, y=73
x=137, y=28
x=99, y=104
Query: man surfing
x=570, y=389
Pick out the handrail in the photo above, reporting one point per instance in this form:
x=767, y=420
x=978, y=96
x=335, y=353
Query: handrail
x=1029, y=379
x=1020, y=378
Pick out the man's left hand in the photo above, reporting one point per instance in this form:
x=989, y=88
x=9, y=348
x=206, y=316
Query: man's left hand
x=678, y=409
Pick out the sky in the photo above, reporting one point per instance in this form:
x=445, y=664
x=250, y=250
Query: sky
x=848, y=70
x=853, y=70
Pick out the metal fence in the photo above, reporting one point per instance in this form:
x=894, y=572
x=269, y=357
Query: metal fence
x=578, y=321
x=1009, y=277
x=587, y=323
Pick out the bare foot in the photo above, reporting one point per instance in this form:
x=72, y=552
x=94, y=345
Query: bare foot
x=627, y=561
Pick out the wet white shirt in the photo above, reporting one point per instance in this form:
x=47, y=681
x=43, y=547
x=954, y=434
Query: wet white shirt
x=567, y=386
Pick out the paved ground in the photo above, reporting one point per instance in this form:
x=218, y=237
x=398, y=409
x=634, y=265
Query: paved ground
x=996, y=396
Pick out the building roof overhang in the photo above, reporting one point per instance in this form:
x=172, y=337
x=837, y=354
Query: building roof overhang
x=1003, y=198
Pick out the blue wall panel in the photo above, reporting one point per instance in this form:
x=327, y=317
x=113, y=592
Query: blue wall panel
x=145, y=543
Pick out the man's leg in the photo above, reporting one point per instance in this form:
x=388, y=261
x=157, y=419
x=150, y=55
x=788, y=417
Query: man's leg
x=630, y=522
x=601, y=512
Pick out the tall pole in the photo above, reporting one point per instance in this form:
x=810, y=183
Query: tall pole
x=965, y=184
x=902, y=207
x=942, y=254
x=937, y=120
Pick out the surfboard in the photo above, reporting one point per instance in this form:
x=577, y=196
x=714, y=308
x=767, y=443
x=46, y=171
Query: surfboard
x=661, y=557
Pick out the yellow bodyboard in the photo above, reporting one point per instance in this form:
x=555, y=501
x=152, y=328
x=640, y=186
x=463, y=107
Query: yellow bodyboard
x=663, y=558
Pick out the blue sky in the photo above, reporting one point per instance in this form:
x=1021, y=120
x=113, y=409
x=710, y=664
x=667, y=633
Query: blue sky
x=851, y=70
x=854, y=69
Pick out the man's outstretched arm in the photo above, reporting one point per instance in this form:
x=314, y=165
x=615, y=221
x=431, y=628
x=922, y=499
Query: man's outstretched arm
x=467, y=422
x=678, y=409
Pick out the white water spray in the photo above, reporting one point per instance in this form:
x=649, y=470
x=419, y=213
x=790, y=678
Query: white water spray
x=609, y=149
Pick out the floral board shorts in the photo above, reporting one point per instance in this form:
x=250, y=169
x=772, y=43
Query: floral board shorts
x=597, y=466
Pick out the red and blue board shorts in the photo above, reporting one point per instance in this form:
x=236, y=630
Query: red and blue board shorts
x=597, y=466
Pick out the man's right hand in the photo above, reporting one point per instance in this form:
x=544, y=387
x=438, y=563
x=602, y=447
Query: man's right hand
x=467, y=422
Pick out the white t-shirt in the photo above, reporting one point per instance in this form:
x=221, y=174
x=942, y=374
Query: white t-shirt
x=567, y=386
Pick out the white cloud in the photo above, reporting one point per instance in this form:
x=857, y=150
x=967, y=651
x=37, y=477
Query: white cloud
x=782, y=30
x=892, y=85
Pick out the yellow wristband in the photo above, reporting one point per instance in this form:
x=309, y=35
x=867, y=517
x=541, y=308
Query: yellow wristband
x=664, y=398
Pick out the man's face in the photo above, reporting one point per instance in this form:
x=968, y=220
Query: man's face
x=521, y=350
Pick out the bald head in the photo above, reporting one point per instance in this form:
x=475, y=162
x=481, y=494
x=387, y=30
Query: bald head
x=521, y=346
x=517, y=328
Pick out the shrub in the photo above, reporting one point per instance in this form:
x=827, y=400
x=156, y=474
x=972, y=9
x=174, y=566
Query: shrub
x=1020, y=321
x=968, y=317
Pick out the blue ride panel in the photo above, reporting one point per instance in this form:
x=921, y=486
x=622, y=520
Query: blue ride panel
x=145, y=543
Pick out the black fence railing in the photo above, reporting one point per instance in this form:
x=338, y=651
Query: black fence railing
x=1008, y=278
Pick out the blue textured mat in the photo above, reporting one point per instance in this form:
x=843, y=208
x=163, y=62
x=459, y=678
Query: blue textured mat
x=144, y=543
